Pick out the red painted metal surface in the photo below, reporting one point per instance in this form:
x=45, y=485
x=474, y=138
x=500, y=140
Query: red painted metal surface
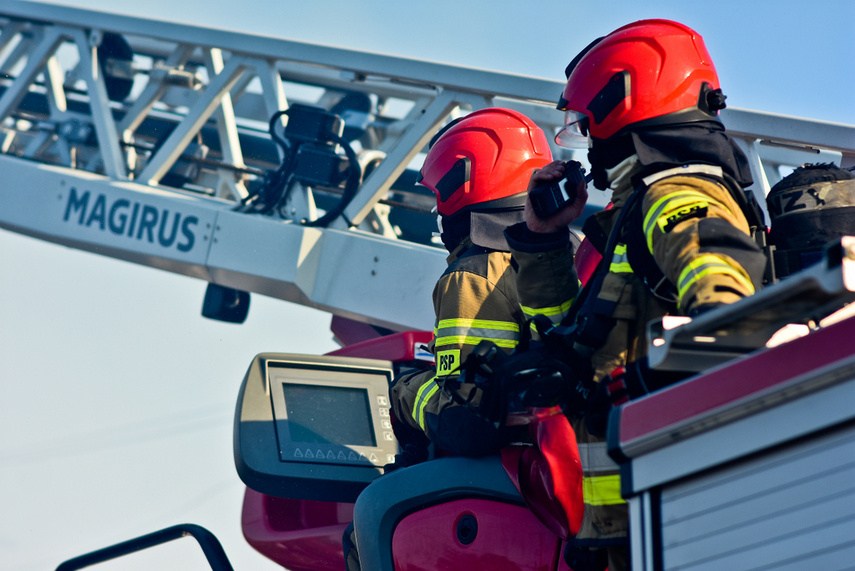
x=396, y=347
x=508, y=537
x=737, y=380
x=300, y=535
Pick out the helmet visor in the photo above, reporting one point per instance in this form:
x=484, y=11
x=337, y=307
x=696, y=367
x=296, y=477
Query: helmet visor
x=574, y=134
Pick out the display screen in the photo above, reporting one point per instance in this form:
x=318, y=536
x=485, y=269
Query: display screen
x=328, y=415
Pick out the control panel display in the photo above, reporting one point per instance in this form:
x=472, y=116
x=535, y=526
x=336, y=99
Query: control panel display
x=340, y=418
x=314, y=427
x=307, y=406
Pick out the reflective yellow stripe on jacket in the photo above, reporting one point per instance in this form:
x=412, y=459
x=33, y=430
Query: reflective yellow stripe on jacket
x=555, y=313
x=671, y=204
x=472, y=331
x=426, y=391
x=459, y=332
x=709, y=264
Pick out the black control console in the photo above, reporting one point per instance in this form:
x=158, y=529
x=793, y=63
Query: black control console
x=313, y=427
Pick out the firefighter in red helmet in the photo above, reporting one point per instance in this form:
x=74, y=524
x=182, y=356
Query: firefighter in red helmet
x=479, y=168
x=644, y=101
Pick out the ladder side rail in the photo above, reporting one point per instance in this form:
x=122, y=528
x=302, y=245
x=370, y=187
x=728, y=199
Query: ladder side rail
x=365, y=63
x=800, y=130
x=332, y=78
x=773, y=141
x=783, y=128
x=522, y=87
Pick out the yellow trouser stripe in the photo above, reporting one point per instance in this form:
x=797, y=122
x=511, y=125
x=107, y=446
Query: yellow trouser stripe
x=425, y=392
x=620, y=261
x=601, y=490
x=710, y=264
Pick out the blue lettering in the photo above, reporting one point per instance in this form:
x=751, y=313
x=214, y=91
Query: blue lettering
x=164, y=241
x=134, y=213
x=118, y=220
x=185, y=229
x=77, y=204
x=148, y=222
x=132, y=219
x=98, y=212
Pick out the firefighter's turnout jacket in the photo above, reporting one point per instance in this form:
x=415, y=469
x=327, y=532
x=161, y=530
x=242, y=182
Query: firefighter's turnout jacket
x=698, y=237
x=475, y=299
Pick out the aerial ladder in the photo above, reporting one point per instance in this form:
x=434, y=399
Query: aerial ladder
x=262, y=165
x=141, y=140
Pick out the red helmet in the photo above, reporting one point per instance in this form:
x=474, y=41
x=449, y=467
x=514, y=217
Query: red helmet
x=484, y=160
x=645, y=73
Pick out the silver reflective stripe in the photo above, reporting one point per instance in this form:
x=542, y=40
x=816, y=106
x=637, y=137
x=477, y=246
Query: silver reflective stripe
x=479, y=332
x=595, y=458
x=685, y=169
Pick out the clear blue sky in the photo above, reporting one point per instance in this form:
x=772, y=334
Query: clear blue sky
x=116, y=396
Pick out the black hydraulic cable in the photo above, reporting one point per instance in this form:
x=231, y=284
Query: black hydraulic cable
x=350, y=187
x=277, y=183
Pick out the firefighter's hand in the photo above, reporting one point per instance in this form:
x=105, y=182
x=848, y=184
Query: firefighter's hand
x=564, y=217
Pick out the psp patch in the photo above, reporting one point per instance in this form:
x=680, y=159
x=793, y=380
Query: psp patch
x=670, y=220
x=447, y=362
